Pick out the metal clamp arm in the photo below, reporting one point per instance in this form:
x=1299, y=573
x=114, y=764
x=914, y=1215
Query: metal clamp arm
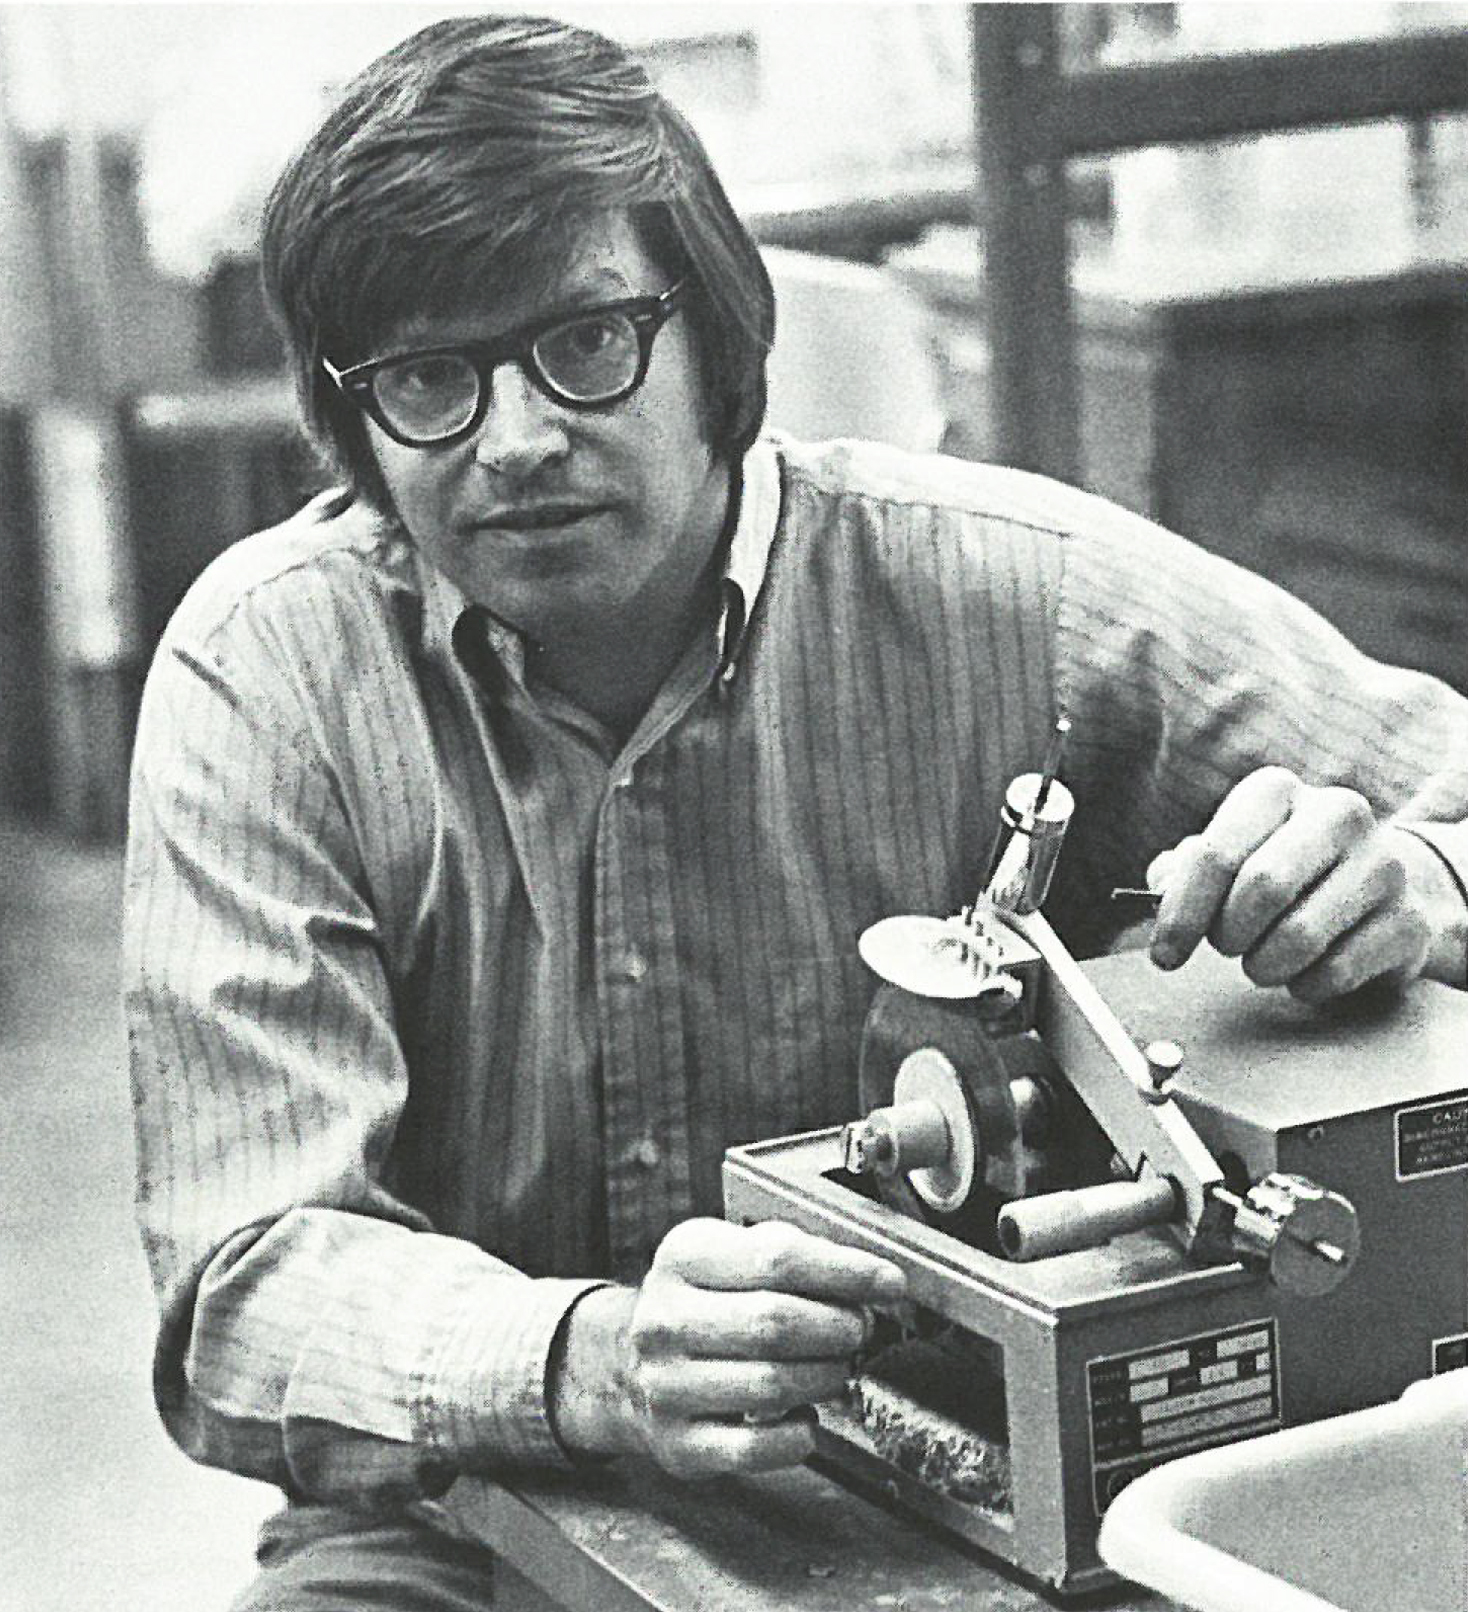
x=1113, y=1079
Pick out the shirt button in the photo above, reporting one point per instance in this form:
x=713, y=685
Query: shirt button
x=633, y=966
x=646, y=1153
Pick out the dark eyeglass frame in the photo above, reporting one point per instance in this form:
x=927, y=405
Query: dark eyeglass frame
x=647, y=316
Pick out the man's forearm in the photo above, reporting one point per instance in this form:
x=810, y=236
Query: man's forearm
x=349, y=1357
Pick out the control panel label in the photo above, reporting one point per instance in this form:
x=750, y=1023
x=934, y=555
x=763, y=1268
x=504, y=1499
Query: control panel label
x=1153, y=1404
x=1432, y=1138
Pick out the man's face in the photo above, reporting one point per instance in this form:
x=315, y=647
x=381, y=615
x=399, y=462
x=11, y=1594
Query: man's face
x=555, y=517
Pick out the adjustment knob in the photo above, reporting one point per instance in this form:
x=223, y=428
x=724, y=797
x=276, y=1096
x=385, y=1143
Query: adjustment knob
x=1304, y=1235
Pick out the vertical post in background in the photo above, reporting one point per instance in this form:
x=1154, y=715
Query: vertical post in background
x=26, y=377
x=80, y=482
x=1020, y=207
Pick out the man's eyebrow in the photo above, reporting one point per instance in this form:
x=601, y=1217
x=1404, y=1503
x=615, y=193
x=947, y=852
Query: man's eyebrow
x=431, y=329
x=606, y=285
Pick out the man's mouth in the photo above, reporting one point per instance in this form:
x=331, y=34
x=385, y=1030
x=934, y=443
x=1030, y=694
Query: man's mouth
x=534, y=517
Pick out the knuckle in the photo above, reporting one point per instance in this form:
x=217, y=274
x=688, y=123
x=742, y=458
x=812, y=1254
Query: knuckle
x=1293, y=943
x=769, y=1386
x=1352, y=809
x=1289, y=950
x=1273, y=786
x=657, y=1393
x=1185, y=849
x=652, y=1332
x=778, y=1245
x=1411, y=941
x=1392, y=877
x=1211, y=861
x=769, y=1323
x=677, y=1246
x=1332, y=977
x=1267, y=887
x=1260, y=971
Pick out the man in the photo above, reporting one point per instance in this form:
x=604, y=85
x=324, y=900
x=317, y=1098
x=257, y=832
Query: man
x=503, y=824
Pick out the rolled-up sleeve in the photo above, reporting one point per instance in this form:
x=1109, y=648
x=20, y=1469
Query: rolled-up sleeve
x=315, y=1330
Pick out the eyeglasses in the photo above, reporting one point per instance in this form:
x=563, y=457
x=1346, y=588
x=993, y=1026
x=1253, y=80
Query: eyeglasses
x=586, y=360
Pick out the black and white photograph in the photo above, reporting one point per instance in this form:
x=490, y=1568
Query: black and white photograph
x=734, y=806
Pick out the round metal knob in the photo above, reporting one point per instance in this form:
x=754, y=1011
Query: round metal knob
x=1164, y=1060
x=1306, y=1236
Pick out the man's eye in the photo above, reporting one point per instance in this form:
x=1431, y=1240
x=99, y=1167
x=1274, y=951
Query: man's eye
x=588, y=337
x=433, y=373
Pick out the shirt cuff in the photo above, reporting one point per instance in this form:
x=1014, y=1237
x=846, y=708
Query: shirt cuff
x=483, y=1400
x=1450, y=841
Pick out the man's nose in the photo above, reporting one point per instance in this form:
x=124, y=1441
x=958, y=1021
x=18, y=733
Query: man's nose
x=522, y=428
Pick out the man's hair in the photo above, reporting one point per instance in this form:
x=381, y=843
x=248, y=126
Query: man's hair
x=466, y=162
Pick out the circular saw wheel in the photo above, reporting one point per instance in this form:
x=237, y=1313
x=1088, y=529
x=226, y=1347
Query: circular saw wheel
x=897, y=1025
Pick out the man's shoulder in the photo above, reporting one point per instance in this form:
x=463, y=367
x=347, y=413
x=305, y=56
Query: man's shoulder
x=328, y=550
x=988, y=494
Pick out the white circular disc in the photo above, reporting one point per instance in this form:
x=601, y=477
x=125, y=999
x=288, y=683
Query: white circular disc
x=923, y=955
x=926, y=1075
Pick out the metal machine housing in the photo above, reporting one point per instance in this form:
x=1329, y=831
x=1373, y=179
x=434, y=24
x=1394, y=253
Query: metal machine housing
x=1117, y=1357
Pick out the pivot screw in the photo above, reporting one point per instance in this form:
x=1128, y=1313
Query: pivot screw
x=1164, y=1059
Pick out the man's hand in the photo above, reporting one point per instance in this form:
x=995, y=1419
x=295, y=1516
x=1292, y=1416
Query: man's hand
x=1308, y=889
x=712, y=1364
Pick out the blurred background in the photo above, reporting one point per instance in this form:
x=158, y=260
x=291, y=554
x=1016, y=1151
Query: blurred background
x=1207, y=259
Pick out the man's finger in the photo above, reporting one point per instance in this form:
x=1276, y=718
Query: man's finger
x=706, y=1448
x=676, y=1319
x=1391, y=945
x=1338, y=905
x=1293, y=859
x=693, y=1388
x=1203, y=869
x=779, y=1258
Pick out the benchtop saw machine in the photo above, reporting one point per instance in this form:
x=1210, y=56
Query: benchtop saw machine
x=1139, y=1213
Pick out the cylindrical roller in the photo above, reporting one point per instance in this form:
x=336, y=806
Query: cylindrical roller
x=1062, y=1222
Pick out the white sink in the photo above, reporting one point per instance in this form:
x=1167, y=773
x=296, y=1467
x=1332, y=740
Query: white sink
x=1359, y=1513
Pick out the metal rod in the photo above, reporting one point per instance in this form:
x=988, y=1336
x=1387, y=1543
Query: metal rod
x=1053, y=753
x=1128, y=896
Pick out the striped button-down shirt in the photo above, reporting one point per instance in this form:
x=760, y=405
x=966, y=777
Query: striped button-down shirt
x=442, y=1002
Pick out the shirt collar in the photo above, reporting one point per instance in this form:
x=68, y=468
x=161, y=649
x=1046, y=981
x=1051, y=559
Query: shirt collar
x=749, y=552
x=445, y=603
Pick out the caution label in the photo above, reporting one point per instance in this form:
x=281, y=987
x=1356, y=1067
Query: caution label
x=1432, y=1138
x=1153, y=1404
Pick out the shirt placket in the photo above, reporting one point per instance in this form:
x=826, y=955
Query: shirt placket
x=646, y=1130
x=644, y=1091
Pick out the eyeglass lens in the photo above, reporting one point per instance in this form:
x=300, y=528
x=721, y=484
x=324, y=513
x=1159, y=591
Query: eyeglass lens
x=585, y=361
x=427, y=397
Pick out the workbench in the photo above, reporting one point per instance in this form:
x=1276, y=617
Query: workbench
x=627, y=1538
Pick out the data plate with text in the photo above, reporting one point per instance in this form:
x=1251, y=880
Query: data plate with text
x=1153, y=1404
